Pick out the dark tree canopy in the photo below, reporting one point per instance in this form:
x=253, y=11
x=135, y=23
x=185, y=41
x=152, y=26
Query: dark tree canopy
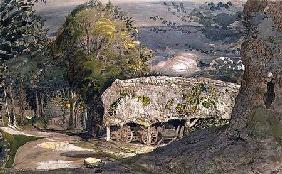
x=21, y=30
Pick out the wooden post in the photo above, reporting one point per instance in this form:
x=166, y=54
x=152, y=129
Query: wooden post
x=7, y=106
x=108, y=138
x=149, y=135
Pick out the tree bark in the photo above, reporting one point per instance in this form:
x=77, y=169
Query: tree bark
x=262, y=56
x=12, y=112
x=94, y=115
x=37, y=112
x=22, y=102
x=72, y=106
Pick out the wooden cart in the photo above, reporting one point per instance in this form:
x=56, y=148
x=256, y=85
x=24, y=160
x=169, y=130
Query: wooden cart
x=149, y=136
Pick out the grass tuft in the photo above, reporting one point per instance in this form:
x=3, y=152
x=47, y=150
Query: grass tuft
x=15, y=141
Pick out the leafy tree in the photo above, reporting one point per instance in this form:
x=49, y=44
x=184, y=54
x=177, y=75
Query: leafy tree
x=98, y=44
x=21, y=37
x=20, y=28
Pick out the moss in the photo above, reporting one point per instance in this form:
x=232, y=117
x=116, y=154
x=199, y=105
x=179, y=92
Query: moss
x=208, y=103
x=112, y=109
x=180, y=107
x=125, y=94
x=169, y=104
x=15, y=141
x=193, y=97
x=145, y=100
x=114, y=105
x=199, y=94
x=263, y=123
x=5, y=120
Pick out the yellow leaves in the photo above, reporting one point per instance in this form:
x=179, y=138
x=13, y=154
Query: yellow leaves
x=105, y=27
x=100, y=25
x=137, y=65
x=128, y=41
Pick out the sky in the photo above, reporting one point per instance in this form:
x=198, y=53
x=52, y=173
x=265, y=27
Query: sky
x=55, y=11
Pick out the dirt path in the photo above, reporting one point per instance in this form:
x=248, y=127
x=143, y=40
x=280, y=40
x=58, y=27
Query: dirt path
x=46, y=153
x=60, y=151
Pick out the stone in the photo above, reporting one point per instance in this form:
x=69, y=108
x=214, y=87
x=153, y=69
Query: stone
x=92, y=162
x=148, y=100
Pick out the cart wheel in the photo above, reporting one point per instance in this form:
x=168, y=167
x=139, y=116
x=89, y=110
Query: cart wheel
x=115, y=135
x=149, y=136
x=154, y=136
x=126, y=135
x=145, y=138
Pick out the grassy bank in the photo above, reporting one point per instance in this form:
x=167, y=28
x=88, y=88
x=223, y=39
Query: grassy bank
x=15, y=141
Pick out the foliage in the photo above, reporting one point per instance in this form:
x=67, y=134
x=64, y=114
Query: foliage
x=21, y=31
x=98, y=43
x=23, y=46
x=199, y=95
x=263, y=124
x=145, y=100
x=15, y=141
x=169, y=103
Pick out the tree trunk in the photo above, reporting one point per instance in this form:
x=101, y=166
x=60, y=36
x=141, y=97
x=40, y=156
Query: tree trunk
x=85, y=118
x=7, y=104
x=72, y=103
x=76, y=111
x=41, y=104
x=37, y=112
x=94, y=115
x=22, y=102
x=261, y=89
x=12, y=107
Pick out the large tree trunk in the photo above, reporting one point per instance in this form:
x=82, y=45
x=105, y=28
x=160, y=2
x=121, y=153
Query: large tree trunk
x=94, y=115
x=10, y=98
x=261, y=90
x=7, y=104
x=253, y=141
x=37, y=111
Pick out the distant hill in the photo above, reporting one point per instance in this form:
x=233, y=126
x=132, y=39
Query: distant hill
x=55, y=11
x=164, y=44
